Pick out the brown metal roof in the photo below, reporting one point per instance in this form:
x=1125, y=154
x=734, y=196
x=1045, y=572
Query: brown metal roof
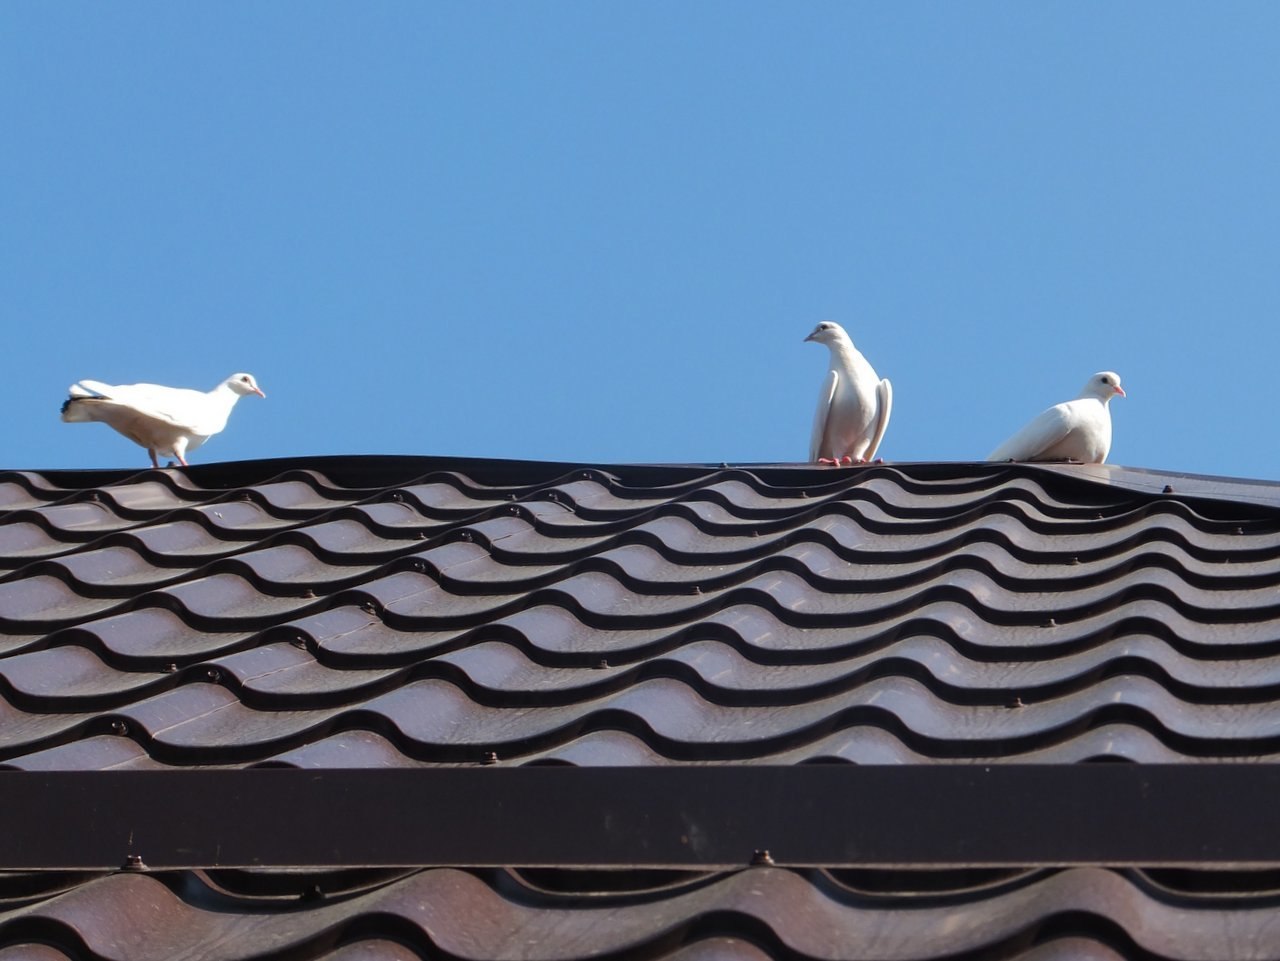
x=422, y=613
x=749, y=914
x=411, y=615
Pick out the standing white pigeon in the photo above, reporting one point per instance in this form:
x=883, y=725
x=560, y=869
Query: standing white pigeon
x=1078, y=430
x=164, y=420
x=853, y=406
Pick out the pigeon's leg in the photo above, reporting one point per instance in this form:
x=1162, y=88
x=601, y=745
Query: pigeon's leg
x=154, y=463
x=180, y=451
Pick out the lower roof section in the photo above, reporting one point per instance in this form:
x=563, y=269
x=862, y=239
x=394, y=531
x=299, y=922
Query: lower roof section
x=419, y=612
x=745, y=915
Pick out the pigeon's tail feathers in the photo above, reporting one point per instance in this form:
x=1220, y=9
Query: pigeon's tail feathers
x=89, y=388
x=73, y=410
x=78, y=407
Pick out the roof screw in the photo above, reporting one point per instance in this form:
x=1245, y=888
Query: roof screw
x=171, y=668
x=213, y=674
x=465, y=536
x=514, y=509
x=244, y=496
x=419, y=565
x=369, y=607
x=1168, y=488
x=1016, y=702
x=397, y=496
x=697, y=588
x=490, y=757
x=1238, y=530
x=602, y=664
x=119, y=727
x=1098, y=516
x=134, y=862
x=1050, y=623
x=422, y=535
x=1075, y=561
x=309, y=593
x=299, y=641
x=762, y=858
x=312, y=893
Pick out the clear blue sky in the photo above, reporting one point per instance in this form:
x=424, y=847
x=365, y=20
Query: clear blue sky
x=600, y=231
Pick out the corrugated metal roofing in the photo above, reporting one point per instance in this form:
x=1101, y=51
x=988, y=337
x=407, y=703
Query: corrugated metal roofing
x=408, y=612
x=752, y=914
x=888, y=614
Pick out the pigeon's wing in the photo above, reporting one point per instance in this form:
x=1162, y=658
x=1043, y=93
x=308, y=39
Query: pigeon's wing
x=182, y=408
x=1037, y=437
x=825, y=397
x=884, y=392
x=177, y=405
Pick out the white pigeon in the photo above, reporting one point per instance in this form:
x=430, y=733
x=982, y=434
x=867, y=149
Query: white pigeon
x=164, y=420
x=1078, y=430
x=853, y=405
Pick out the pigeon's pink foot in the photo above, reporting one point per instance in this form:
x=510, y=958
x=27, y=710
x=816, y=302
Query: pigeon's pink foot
x=848, y=461
x=183, y=461
x=829, y=460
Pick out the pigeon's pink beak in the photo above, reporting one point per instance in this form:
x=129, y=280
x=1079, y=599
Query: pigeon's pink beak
x=258, y=391
x=1120, y=391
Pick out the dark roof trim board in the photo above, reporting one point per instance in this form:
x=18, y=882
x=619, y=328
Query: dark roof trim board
x=680, y=817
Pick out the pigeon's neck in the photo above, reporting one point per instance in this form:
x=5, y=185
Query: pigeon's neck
x=223, y=394
x=842, y=353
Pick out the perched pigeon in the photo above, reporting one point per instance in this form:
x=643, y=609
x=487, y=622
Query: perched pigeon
x=853, y=406
x=1078, y=430
x=164, y=420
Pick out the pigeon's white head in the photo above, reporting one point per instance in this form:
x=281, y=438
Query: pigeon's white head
x=244, y=384
x=828, y=332
x=1103, y=385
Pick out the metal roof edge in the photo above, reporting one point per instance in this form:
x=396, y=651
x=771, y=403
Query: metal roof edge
x=388, y=469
